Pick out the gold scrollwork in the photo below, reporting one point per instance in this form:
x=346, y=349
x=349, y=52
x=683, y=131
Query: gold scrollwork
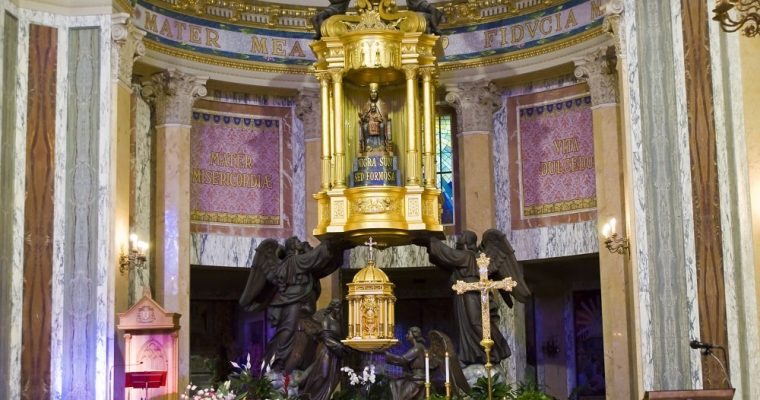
x=414, y=207
x=369, y=308
x=263, y=14
x=339, y=211
x=375, y=205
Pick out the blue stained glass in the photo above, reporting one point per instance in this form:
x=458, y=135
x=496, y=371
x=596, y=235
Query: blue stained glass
x=445, y=167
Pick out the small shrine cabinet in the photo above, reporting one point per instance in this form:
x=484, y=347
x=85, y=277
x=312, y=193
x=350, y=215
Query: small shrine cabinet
x=151, y=345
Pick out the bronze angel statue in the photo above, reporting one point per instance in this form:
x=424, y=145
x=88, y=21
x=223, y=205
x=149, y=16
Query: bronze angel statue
x=460, y=263
x=285, y=281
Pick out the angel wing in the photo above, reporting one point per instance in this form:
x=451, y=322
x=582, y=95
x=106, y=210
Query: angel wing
x=504, y=264
x=440, y=344
x=259, y=291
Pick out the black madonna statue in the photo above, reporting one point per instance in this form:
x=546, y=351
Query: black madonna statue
x=374, y=125
x=460, y=263
x=285, y=281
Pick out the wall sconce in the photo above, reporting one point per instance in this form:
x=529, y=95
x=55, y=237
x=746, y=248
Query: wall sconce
x=745, y=11
x=613, y=242
x=136, y=256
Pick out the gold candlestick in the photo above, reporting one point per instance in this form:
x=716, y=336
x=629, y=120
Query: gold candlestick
x=487, y=344
x=448, y=391
x=427, y=390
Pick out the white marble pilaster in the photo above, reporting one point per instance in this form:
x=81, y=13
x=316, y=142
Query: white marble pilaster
x=103, y=314
x=141, y=207
x=17, y=229
x=299, y=178
x=738, y=263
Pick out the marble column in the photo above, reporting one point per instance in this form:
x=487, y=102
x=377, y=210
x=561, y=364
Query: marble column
x=475, y=104
x=173, y=93
x=308, y=111
x=127, y=47
x=597, y=70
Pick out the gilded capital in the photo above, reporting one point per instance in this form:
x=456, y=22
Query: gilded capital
x=127, y=47
x=173, y=93
x=598, y=70
x=475, y=103
x=308, y=111
x=410, y=71
x=336, y=75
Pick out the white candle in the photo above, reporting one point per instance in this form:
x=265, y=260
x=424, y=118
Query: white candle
x=427, y=368
x=447, y=367
x=613, y=222
x=606, y=230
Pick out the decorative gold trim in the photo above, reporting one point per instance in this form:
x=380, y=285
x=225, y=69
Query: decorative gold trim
x=229, y=218
x=225, y=61
x=458, y=13
x=302, y=69
x=124, y=5
x=521, y=54
x=559, y=207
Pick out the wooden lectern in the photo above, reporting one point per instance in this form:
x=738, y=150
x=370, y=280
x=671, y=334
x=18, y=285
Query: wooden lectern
x=706, y=394
x=151, y=350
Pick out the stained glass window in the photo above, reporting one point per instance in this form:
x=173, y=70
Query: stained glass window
x=445, y=166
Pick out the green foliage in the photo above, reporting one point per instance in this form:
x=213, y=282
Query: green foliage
x=499, y=389
x=530, y=391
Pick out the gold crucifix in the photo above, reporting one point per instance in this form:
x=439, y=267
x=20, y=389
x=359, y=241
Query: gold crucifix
x=483, y=286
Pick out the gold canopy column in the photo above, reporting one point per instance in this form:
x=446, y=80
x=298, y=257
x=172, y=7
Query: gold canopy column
x=173, y=95
x=412, y=129
x=428, y=150
x=326, y=117
x=339, y=178
x=595, y=69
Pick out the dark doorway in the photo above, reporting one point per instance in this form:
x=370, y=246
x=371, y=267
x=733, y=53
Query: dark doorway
x=220, y=331
x=564, y=327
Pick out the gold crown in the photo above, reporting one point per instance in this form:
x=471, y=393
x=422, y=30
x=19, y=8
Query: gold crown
x=373, y=86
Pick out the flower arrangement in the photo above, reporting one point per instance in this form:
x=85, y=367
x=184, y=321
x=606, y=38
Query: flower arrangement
x=223, y=393
x=367, y=378
x=367, y=385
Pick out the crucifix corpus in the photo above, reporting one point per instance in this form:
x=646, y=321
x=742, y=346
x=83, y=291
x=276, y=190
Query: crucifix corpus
x=484, y=285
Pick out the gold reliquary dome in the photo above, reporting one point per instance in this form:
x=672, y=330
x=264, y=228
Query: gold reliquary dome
x=371, y=274
x=371, y=309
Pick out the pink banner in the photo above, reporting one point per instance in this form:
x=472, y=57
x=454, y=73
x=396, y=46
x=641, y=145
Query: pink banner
x=236, y=169
x=556, y=149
